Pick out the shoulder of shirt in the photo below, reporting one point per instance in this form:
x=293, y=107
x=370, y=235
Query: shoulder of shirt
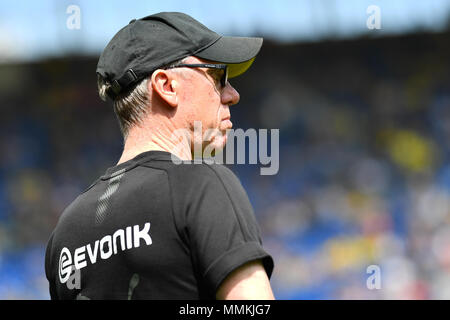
x=194, y=171
x=209, y=170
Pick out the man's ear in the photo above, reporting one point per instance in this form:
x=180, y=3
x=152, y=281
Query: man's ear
x=165, y=86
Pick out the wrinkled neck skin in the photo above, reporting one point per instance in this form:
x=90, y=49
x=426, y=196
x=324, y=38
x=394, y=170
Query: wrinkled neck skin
x=155, y=135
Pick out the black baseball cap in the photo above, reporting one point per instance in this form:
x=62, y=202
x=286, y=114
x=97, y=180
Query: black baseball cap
x=157, y=40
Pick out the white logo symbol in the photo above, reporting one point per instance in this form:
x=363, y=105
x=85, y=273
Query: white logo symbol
x=74, y=20
x=212, y=152
x=65, y=265
x=374, y=20
x=374, y=280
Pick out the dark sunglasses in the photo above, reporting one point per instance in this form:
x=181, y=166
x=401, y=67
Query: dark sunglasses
x=224, y=67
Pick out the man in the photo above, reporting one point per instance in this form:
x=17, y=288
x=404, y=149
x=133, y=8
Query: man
x=150, y=227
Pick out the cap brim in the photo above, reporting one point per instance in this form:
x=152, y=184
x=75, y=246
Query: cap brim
x=237, y=52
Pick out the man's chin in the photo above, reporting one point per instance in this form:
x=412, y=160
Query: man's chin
x=216, y=146
x=220, y=143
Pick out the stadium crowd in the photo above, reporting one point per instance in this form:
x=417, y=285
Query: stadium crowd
x=364, y=173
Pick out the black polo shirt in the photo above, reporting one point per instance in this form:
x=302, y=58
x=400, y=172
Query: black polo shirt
x=154, y=229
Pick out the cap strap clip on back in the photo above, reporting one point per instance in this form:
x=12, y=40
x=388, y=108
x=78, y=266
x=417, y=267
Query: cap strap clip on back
x=124, y=82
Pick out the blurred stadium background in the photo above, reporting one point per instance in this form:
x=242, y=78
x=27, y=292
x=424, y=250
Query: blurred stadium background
x=364, y=119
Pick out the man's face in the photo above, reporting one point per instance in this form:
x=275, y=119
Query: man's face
x=203, y=99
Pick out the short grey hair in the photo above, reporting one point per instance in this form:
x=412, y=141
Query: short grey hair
x=131, y=106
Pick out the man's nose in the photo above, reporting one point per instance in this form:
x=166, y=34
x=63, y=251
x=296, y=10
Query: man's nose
x=229, y=95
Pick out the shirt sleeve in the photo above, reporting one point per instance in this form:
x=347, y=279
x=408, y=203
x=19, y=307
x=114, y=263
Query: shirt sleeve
x=221, y=226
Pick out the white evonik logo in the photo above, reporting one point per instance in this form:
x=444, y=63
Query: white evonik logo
x=127, y=239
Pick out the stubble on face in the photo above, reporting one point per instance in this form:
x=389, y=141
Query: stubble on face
x=203, y=99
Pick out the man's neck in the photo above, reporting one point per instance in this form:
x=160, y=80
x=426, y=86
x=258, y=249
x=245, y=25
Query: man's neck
x=140, y=140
